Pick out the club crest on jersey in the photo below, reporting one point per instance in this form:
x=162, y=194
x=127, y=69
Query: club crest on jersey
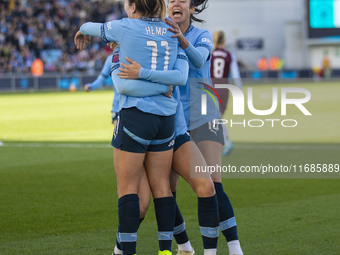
x=115, y=58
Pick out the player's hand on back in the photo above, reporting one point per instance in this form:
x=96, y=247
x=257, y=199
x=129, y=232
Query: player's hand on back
x=169, y=93
x=81, y=41
x=112, y=45
x=129, y=71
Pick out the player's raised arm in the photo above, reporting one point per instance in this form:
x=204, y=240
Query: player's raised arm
x=92, y=29
x=199, y=53
x=177, y=33
x=107, y=31
x=83, y=36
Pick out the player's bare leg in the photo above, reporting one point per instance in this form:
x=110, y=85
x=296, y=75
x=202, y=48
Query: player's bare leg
x=144, y=194
x=212, y=152
x=128, y=167
x=158, y=168
x=185, y=159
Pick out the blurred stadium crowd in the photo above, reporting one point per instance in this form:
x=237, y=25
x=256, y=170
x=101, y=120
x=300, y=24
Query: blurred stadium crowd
x=31, y=29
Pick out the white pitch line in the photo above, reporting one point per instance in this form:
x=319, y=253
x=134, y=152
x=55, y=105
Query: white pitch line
x=289, y=147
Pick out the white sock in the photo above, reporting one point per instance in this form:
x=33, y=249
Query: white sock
x=210, y=251
x=235, y=248
x=117, y=251
x=185, y=247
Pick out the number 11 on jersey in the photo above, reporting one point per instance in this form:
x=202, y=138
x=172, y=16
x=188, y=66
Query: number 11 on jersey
x=154, y=55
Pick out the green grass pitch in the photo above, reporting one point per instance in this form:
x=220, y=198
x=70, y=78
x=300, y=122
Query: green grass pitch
x=58, y=187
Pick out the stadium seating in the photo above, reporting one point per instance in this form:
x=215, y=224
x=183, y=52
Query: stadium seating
x=31, y=29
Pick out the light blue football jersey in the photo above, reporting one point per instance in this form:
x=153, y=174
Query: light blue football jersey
x=198, y=38
x=180, y=124
x=147, y=41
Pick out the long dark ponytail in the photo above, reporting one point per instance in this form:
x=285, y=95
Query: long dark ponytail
x=200, y=6
x=150, y=8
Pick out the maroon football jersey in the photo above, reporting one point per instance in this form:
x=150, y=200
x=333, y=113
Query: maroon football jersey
x=220, y=68
x=220, y=63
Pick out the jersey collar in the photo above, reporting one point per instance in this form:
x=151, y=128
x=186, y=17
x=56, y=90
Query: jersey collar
x=190, y=28
x=151, y=19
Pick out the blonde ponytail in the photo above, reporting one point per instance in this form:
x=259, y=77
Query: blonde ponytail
x=218, y=39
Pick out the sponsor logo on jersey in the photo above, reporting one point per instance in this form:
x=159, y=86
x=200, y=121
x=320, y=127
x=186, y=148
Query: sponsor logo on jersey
x=207, y=40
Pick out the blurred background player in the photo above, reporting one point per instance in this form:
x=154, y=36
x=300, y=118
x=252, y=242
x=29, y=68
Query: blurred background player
x=37, y=67
x=224, y=65
x=326, y=66
x=100, y=81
